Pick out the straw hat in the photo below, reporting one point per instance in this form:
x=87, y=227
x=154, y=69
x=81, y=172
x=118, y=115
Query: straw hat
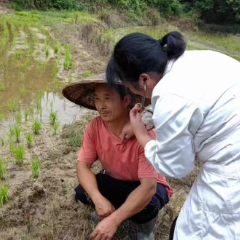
x=82, y=92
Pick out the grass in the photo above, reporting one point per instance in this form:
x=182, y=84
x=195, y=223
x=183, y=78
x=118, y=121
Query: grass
x=29, y=139
x=18, y=53
x=1, y=86
x=86, y=74
x=12, y=105
x=3, y=168
x=3, y=195
x=37, y=127
x=55, y=127
x=53, y=118
x=47, y=52
x=68, y=59
x=75, y=139
x=19, y=153
x=17, y=132
x=19, y=118
x=35, y=167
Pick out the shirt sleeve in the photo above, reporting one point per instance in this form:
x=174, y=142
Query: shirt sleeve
x=88, y=152
x=176, y=121
x=145, y=169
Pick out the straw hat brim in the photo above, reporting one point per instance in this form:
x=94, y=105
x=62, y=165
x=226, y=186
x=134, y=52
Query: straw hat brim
x=82, y=92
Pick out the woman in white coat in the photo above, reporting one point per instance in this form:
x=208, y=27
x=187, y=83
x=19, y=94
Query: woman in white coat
x=196, y=111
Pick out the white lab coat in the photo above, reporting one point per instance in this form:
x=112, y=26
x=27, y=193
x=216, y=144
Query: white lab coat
x=197, y=111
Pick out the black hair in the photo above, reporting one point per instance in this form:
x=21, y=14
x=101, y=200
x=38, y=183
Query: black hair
x=139, y=53
x=121, y=90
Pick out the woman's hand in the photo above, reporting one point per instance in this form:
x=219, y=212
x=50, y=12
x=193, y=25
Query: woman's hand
x=138, y=126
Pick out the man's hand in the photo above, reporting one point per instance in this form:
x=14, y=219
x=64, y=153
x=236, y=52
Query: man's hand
x=105, y=229
x=103, y=207
x=127, y=132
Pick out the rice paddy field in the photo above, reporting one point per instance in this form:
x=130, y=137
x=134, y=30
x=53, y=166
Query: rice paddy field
x=41, y=132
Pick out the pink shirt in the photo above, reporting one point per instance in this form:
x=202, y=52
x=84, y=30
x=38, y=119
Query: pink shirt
x=124, y=160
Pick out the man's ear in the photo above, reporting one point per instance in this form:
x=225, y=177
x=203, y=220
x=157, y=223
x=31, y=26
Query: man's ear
x=127, y=100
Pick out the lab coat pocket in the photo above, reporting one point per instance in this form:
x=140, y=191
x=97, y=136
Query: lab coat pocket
x=214, y=193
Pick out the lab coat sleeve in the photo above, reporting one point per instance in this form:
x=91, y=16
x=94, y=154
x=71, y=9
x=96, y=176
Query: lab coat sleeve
x=176, y=121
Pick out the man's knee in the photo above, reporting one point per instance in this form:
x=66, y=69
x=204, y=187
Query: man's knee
x=81, y=195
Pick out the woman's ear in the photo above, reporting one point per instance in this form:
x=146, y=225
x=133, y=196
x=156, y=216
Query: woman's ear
x=127, y=100
x=144, y=77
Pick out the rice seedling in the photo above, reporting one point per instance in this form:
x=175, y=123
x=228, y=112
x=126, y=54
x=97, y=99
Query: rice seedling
x=18, y=53
x=3, y=195
x=53, y=117
x=47, y=52
x=38, y=102
x=11, y=132
x=12, y=104
x=26, y=115
x=2, y=141
x=3, y=168
x=19, y=118
x=68, y=59
x=55, y=70
x=86, y=74
x=11, y=147
x=35, y=167
x=1, y=86
x=51, y=105
x=37, y=127
x=19, y=153
x=29, y=139
x=56, y=49
x=70, y=78
x=55, y=127
x=17, y=132
x=22, y=90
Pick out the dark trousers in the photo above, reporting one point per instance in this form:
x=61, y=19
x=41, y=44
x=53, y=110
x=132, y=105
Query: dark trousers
x=172, y=229
x=117, y=191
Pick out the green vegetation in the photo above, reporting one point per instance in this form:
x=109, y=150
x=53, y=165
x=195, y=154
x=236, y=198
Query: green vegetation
x=53, y=117
x=16, y=131
x=68, y=59
x=3, y=168
x=19, y=118
x=18, y=53
x=1, y=86
x=11, y=147
x=29, y=139
x=37, y=127
x=3, y=195
x=2, y=141
x=19, y=153
x=47, y=52
x=35, y=167
x=86, y=74
x=75, y=139
x=55, y=127
x=26, y=115
x=12, y=105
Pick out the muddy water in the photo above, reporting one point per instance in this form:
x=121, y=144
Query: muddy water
x=29, y=73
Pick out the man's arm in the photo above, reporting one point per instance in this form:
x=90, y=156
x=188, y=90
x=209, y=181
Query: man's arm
x=136, y=202
x=88, y=181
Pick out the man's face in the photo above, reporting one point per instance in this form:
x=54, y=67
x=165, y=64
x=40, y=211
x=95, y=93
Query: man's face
x=109, y=103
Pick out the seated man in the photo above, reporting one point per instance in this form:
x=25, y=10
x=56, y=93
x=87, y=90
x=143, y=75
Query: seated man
x=129, y=187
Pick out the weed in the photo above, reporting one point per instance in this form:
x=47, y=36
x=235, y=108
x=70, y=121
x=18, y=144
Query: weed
x=17, y=132
x=18, y=53
x=19, y=153
x=29, y=139
x=12, y=105
x=35, y=167
x=55, y=127
x=1, y=86
x=47, y=52
x=3, y=195
x=37, y=127
x=19, y=118
x=26, y=114
x=75, y=139
x=53, y=118
x=86, y=74
x=3, y=168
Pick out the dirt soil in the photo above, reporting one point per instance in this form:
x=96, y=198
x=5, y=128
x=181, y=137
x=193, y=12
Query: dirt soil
x=45, y=208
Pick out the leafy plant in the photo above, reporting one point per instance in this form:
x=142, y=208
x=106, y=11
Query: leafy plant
x=55, y=127
x=37, y=127
x=29, y=139
x=35, y=167
x=3, y=195
x=19, y=153
x=53, y=118
x=3, y=168
x=19, y=118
